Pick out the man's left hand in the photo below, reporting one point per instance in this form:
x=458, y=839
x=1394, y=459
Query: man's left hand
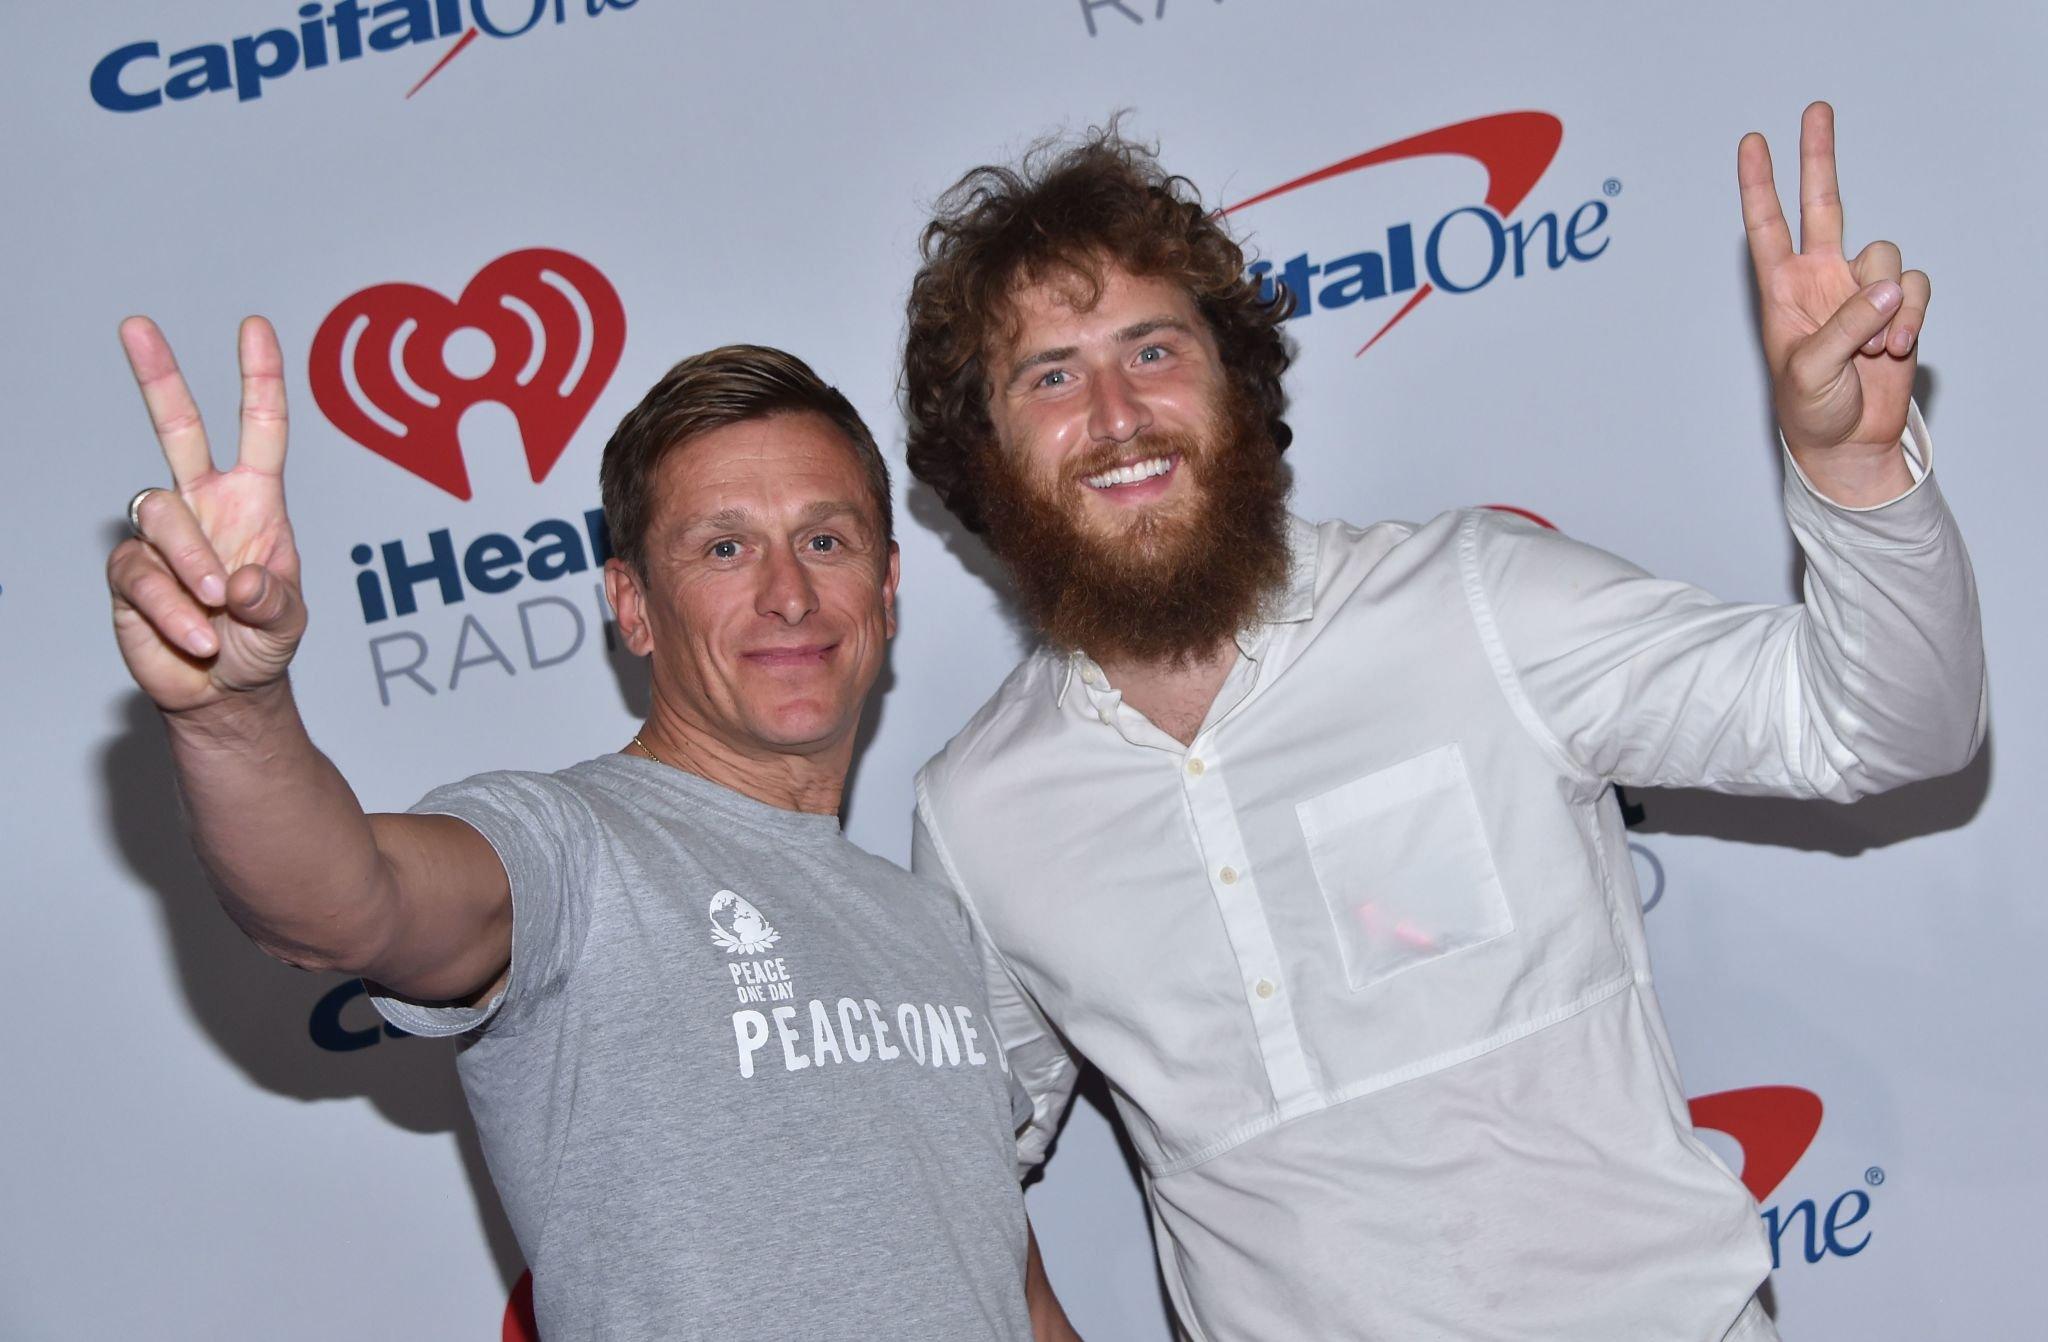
x=1841, y=336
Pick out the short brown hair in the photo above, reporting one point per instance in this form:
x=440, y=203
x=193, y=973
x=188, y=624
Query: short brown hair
x=1066, y=209
x=728, y=385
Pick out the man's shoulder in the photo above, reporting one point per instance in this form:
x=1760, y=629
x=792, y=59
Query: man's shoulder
x=1342, y=543
x=1345, y=542
x=576, y=780
x=561, y=801
x=1012, y=718
x=1356, y=561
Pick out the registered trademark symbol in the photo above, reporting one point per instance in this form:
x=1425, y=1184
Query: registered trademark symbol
x=1874, y=1175
x=1612, y=186
x=1655, y=894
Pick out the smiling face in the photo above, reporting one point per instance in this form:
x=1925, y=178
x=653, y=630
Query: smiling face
x=768, y=596
x=1132, y=493
x=1108, y=410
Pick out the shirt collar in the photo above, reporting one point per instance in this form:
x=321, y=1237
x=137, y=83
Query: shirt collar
x=1295, y=603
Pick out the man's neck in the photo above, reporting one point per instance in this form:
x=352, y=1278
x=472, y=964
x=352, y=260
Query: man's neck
x=811, y=783
x=1174, y=695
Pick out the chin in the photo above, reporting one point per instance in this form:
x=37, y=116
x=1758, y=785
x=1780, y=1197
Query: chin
x=1153, y=530
x=805, y=729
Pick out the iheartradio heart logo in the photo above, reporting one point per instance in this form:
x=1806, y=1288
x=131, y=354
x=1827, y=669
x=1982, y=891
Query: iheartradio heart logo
x=538, y=331
x=1772, y=1124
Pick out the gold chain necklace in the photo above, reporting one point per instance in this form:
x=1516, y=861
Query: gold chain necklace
x=650, y=751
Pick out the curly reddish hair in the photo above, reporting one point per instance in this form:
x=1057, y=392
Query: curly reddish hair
x=1066, y=210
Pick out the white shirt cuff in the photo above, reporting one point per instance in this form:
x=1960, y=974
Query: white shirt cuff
x=1913, y=518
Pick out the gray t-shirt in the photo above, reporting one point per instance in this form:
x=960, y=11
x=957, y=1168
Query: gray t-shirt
x=741, y=1081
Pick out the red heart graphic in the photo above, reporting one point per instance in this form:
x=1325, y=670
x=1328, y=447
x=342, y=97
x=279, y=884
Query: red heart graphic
x=1515, y=148
x=380, y=373
x=1772, y=1124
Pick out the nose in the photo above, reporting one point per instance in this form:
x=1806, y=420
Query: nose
x=1117, y=413
x=786, y=590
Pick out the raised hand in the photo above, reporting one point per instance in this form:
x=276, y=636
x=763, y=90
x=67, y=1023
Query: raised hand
x=206, y=600
x=1841, y=336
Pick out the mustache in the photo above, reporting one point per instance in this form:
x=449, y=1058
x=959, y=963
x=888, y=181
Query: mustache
x=1187, y=446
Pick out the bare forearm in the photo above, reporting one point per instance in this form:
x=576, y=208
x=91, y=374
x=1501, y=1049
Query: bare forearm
x=1855, y=477
x=288, y=845
x=208, y=615
x=1048, y=1319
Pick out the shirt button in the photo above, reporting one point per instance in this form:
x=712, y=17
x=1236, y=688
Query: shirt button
x=1264, y=988
x=1195, y=766
x=1108, y=715
x=1091, y=677
x=1228, y=875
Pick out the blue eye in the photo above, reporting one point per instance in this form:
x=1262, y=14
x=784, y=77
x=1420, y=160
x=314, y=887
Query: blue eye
x=724, y=549
x=1152, y=353
x=824, y=544
x=1047, y=380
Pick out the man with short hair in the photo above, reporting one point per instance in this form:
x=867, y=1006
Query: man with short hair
x=1305, y=834
x=832, y=1159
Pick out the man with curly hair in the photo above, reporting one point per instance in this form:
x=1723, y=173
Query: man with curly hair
x=1305, y=834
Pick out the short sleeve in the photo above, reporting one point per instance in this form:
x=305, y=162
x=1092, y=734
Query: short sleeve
x=545, y=835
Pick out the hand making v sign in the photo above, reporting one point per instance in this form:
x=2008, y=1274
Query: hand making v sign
x=1841, y=336
x=206, y=596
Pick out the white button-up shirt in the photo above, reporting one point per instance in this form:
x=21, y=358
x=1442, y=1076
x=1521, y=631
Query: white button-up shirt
x=1364, y=964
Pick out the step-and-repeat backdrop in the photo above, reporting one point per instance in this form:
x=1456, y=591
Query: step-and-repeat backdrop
x=1549, y=309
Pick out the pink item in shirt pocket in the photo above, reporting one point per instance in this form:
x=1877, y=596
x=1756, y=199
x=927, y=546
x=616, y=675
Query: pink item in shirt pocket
x=1403, y=864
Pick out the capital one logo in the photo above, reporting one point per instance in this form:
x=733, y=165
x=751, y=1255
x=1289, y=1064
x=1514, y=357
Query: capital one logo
x=1467, y=248
x=137, y=76
x=1774, y=1126
x=539, y=331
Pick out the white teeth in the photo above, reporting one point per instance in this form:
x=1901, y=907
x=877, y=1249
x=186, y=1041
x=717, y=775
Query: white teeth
x=1131, y=474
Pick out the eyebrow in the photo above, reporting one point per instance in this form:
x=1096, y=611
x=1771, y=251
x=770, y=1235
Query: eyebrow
x=1139, y=330
x=1135, y=331
x=734, y=519
x=1059, y=355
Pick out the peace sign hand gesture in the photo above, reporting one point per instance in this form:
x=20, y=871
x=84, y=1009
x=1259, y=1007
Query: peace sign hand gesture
x=207, y=604
x=1841, y=336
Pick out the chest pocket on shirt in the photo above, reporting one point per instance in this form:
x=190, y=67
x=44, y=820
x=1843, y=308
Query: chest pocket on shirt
x=1402, y=861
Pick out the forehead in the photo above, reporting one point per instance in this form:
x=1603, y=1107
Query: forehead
x=782, y=462
x=1060, y=308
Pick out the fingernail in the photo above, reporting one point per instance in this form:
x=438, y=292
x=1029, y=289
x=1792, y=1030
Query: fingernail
x=212, y=589
x=1885, y=296
x=199, y=642
x=1903, y=341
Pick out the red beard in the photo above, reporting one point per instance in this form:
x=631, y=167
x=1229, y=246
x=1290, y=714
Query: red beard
x=1173, y=585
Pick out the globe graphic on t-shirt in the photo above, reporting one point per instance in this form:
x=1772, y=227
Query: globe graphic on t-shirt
x=738, y=927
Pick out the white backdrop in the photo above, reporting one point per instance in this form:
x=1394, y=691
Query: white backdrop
x=200, y=1143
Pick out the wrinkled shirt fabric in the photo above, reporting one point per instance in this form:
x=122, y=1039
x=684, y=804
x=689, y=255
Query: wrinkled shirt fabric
x=1364, y=964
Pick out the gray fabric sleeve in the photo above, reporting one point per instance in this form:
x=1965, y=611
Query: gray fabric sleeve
x=545, y=836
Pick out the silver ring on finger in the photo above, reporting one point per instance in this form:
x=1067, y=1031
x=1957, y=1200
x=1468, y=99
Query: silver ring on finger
x=135, y=508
